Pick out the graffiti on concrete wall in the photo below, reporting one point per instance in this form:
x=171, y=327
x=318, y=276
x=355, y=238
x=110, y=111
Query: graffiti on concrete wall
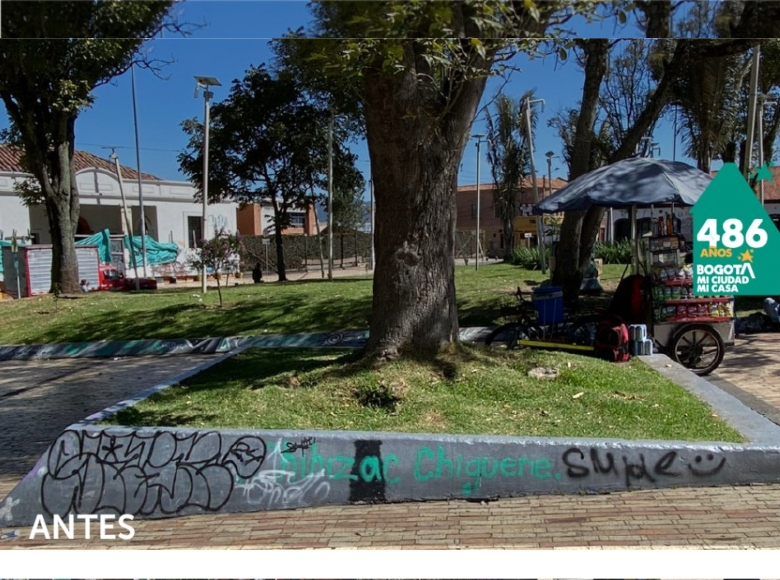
x=165, y=472
x=159, y=473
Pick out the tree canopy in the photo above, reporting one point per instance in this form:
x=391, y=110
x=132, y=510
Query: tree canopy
x=268, y=143
x=52, y=56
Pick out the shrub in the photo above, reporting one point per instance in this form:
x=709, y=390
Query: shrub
x=613, y=252
x=527, y=258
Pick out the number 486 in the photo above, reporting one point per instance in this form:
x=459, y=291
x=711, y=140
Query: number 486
x=756, y=237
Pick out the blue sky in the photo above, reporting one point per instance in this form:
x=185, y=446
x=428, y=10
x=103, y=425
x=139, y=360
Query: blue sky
x=236, y=36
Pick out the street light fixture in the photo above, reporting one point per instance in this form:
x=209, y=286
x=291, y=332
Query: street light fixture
x=479, y=138
x=204, y=83
x=550, y=156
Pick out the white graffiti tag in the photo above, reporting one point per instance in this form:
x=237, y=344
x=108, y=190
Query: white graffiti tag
x=275, y=489
x=5, y=510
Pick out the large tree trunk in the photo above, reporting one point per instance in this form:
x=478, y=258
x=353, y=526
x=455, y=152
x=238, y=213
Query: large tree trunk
x=62, y=206
x=509, y=236
x=574, y=237
x=415, y=145
x=579, y=229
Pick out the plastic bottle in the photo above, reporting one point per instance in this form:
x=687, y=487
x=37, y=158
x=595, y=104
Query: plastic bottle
x=660, y=225
x=669, y=225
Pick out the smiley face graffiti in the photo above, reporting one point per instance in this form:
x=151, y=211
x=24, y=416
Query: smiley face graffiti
x=706, y=465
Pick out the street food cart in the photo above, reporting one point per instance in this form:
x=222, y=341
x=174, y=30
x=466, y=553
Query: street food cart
x=693, y=331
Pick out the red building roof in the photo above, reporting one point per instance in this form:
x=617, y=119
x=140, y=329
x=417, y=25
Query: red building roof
x=9, y=162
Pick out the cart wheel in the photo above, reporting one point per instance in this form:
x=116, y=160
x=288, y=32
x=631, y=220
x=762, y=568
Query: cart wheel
x=507, y=335
x=697, y=347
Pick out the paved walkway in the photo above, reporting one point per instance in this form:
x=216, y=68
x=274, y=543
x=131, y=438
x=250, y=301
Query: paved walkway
x=725, y=517
x=751, y=372
x=39, y=399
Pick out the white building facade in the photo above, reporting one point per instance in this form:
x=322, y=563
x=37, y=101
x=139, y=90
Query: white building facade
x=170, y=210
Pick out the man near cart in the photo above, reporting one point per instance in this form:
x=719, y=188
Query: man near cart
x=772, y=310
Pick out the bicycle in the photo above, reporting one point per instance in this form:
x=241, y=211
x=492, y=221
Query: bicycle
x=576, y=332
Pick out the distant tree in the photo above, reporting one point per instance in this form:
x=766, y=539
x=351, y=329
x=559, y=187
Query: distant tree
x=269, y=143
x=220, y=253
x=52, y=56
x=507, y=154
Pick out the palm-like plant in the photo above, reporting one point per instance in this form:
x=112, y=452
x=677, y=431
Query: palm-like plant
x=507, y=153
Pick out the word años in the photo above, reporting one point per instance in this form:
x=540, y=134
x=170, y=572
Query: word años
x=715, y=253
x=69, y=528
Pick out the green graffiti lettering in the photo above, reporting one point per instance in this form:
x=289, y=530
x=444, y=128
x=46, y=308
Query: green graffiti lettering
x=347, y=462
x=442, y=462
x=388, y=460
x=421, y=452
x=317, y=462
x=507, y=467
x=484, y=470
x=369, y=469
x=472, y=467
x=521, y=463
x=541, y=468
x=458, y=465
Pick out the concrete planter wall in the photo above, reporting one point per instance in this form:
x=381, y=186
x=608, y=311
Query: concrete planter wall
x=166, y=472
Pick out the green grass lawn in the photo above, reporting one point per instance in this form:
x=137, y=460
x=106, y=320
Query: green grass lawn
x=307, y=306
x=474, y=391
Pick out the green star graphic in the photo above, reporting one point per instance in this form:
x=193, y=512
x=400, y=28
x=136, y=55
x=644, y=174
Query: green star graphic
x=764, y=172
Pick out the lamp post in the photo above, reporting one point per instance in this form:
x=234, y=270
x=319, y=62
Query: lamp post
x=550, y=156
x=140, y=186
x=529, y=128
x=330, y=197
x=204, y=83
x=478, y=137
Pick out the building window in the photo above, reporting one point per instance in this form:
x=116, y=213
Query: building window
x=297, y=219
x=194, y=231
x=473, y=211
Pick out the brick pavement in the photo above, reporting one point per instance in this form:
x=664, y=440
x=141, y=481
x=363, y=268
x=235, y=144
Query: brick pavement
x=723, y=517
x=39, y=399
x=719, y=518
x=751, y=372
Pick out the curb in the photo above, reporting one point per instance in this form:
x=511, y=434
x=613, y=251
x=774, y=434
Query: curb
x=180, y=346
x=753, y=425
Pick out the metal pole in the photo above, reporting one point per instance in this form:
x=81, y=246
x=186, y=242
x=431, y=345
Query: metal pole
x=476, y=260
x=330, y=198
x=128, y=221
x=206, y=123
x=539, y=227
x=140, y=186
x=752, y=109
x=761, y=101
x=549, y=174
x=371, y=193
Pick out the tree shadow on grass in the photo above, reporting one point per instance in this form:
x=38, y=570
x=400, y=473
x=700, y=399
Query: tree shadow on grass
x=132, y=417
x=283, y=314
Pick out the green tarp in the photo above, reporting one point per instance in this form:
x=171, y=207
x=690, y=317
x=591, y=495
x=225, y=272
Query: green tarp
x=156, y=253
x=2, y=244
